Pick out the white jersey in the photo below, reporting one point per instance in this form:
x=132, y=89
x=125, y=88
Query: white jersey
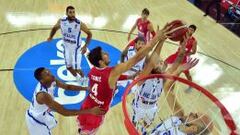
x=71, y=31
x=39, y=117
x=145, y=101
x=149, y=91
x=139, y=66
x=169, y=127
x=39, y=109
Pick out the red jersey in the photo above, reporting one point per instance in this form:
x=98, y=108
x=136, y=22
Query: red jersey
x=189, y=45
x=100, y=92
x=143, y=31
x=100, y=95
x=188, y=49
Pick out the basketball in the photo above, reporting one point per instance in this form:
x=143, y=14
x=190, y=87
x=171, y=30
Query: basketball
x=178, y=34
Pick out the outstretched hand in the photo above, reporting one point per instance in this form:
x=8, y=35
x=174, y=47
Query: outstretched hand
x=190, y=64
x=97, y=111
x=167, y=31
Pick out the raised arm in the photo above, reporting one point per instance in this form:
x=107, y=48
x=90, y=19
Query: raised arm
x=45, y=98
x=153, y=59
x=123, y=67
x=54, y=30
x=132, y=29
x=85, y=29
x=70, y=87
x=169, y=86
x=151, y=29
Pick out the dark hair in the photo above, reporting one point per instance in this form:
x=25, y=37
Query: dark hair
x=145, y=11
x=38, y=72
x=193, y=27
x=95, y=56
x=139, y=39
x=69, y=7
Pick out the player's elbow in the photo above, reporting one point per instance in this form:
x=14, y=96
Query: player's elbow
x=89, y=34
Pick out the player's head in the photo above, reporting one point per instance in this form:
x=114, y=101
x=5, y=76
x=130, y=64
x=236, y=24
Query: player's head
x=145, y=13
x=98, y=58
x=43, y=75
x=70, y=12
x=191, y=29
x=198, y=123
x=139, y=43
x=159, y=66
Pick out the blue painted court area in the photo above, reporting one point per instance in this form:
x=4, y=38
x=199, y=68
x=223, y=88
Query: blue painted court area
x=50, y=55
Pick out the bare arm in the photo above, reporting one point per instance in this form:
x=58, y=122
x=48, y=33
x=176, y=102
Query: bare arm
x=54, y=30
x=70, y=87
x=132, y=29
x=124, y=53
x=85, y=29
x=44, y=98
x=194, y=48
x=169, y=86
x=123, y=67
x=153, y=59
x=151, y=29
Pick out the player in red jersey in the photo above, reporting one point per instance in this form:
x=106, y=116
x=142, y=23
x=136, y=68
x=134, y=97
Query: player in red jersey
x=191, y=48
x=103, y=81
x=144, y=26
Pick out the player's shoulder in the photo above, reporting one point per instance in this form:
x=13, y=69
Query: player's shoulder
x=77, y=21
x=138, y=19
x=63, y=19
x=41, y=88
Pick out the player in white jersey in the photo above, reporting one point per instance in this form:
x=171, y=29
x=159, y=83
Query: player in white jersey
x=71, y=29
x=39, y=117
x=130, y=52
x=180, y=123
x=149, y=91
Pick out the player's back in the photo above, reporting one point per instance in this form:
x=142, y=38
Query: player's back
x=100, y=92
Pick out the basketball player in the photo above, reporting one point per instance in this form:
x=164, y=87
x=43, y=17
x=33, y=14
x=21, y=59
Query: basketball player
x=39, y=117
x=181, y=123
x=191, y=49
x=146, y=96
x=71, y=28
x=132, y=50
x=103, y=81
x=144, y=26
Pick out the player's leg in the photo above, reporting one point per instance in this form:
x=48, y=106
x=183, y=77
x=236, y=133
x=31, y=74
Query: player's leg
x=68, y=55
x=77, y=61
x=89, y=124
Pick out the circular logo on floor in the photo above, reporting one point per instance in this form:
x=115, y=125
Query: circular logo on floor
x=50, y=55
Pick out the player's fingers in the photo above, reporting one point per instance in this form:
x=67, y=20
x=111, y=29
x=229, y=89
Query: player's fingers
x=168, y=30
x=165, y=26
x=157, y=27
x=196, y=62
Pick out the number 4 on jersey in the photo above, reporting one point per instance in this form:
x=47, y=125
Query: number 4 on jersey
x=94, y=89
